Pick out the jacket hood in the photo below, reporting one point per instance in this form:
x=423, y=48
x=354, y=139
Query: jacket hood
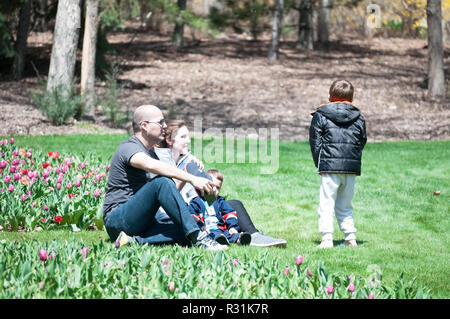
x=340, y=113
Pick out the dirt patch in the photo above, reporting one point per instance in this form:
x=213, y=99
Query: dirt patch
x=229, y=83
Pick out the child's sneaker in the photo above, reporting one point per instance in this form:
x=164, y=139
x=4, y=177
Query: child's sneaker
x=326, y=244
x=244, y=239
x=222, y=239
x=123, y=239
x=207, y=242
x=350, y=243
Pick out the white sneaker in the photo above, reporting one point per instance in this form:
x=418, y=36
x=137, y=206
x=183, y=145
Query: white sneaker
x=123, y=239
x=326, y=244
x=207, y=242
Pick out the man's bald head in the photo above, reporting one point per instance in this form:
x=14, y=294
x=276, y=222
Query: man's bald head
x=145, y=113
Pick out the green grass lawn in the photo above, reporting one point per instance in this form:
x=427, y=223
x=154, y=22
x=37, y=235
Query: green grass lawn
x=402, y=226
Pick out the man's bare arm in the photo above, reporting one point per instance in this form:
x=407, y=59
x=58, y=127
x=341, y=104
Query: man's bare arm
x=143, y=161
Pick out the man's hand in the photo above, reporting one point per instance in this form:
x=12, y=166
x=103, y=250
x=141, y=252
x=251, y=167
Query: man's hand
x=203, y=184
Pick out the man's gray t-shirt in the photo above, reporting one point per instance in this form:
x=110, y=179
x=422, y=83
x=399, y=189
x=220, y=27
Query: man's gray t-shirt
x=124, y=180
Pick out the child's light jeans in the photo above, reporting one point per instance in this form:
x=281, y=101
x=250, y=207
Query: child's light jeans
x=336, y=193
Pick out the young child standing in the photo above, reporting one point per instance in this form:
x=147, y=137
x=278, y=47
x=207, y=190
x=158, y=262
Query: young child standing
x=219, y=218
x=337, y=136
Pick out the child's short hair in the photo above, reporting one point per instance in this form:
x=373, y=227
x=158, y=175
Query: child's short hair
x=341, y=90
x=216, y=174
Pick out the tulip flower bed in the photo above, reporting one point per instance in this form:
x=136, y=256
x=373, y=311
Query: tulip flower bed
x=73, y=270
x=49, y=190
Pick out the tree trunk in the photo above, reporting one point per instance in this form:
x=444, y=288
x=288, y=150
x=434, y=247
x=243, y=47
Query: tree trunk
x=177, y=37
x=276, y=30
x=64, y=49
x=436, y=79
x=305, y=26
x=323, y=21
x=21, y=41
x=88, y=59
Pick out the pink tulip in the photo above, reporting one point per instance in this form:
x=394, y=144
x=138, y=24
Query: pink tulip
x=78, y=183
x=12, y=169
x=43, y=255
x=11, y=141
x=23, y=197
x=308, y=272
x=45, y=173
x=299, y=260
x=33, y=204
x=69, y=185
x=235, y=262
x=97, y=192
x=59, y=179
x=330, y=290
x=1, y=190
x=58, y=186
x=46, y=207
x=84, y=252
x=171, y=286
x=371, y=295
x=351, y=287
x=7, y=179
x=2, y=164
x=82, y=166
x=52, y=256
x=15, y=162
x=17, y=177
x=108, y=167
x=11, y=188
x=30, y=174
x=286, y=271
x=15, y=153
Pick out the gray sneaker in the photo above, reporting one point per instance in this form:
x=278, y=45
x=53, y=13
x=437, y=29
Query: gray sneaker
x=207, y=242
x=262, y=240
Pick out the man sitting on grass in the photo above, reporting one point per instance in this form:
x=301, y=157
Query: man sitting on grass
x=138, y=184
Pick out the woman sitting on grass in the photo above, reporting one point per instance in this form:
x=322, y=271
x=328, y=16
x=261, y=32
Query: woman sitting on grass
x=175, y=150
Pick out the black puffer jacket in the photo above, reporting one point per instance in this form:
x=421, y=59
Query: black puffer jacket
x=337, y=137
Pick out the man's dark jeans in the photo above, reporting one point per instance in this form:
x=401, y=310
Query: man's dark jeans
x=136, y=217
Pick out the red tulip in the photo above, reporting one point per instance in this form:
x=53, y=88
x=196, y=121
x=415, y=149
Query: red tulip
x=58, y=219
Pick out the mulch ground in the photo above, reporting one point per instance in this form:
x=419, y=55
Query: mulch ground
x=229, y=83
